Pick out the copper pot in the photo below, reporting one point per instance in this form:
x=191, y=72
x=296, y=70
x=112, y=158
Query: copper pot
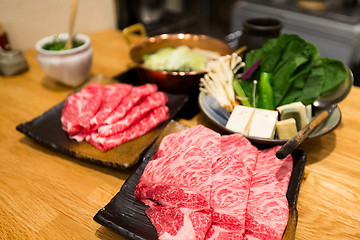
x=174, y=82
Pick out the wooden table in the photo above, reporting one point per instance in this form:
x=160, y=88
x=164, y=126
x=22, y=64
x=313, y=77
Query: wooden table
x=47, y=195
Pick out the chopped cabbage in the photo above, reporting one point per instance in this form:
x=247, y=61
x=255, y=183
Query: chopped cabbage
x=179, y=59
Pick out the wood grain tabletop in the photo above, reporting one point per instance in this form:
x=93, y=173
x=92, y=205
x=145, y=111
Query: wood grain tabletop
x=47, y=195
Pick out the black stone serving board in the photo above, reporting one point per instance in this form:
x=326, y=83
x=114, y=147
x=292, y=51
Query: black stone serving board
x=125, y=215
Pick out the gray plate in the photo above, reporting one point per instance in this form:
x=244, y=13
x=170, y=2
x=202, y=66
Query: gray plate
x=220, y=121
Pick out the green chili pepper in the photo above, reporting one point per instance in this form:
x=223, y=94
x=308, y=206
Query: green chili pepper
x=240, y=93
x=266, y=94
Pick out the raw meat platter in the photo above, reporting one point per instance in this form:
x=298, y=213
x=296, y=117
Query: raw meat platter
x=47, y=130
x=125, y=215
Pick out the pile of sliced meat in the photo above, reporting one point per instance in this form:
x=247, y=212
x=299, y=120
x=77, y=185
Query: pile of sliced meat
x=201, y=185
x=107, y=116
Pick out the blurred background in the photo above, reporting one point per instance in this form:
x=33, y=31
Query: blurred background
x=333, y=25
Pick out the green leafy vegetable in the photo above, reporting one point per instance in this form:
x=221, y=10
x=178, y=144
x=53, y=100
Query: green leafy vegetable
x=59, y=44
x=299, y=73
x=307, y=81
x=240, y=93
x=334, y=73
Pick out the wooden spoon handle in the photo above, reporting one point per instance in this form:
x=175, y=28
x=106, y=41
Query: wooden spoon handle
x=74, y=5
x=293, y=143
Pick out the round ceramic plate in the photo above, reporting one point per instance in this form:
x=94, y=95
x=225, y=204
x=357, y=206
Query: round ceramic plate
x=219, y=117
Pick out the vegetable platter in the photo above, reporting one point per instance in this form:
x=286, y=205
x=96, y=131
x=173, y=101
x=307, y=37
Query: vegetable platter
x=271, y=94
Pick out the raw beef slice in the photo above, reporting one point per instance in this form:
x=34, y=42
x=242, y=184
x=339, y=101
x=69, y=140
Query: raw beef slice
x=181, y=179
x=231, y=177
x=129, y=101
x=145, y=105
x=80, y=107
x=177, y=189
x=180, y=224
x=267, y=210
x=144, y=125
x=281, y=168
x=238, y=144
x=245, y=193
x=112, y=97
x=195, y=137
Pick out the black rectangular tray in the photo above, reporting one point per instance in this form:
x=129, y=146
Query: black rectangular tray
x=125, y=215
x=47, y=130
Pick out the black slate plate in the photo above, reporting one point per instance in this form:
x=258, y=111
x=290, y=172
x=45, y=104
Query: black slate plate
x=125, y=215
x=47, y=130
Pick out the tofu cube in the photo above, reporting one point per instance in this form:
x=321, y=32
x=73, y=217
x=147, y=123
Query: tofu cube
x=295, y=110
x=286, y=129
x=263, y=123
x=240, y=119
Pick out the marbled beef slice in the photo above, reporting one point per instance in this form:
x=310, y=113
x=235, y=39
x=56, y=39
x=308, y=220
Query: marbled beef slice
x=129, y=101
x=80, y=107
x=144, y=125
x=140, y=110
x=267, y=210
x=112, y=97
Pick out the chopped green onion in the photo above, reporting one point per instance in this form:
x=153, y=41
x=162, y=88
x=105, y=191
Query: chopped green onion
x=240, y=93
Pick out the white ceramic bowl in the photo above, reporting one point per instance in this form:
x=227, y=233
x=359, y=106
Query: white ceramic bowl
x=70, y=67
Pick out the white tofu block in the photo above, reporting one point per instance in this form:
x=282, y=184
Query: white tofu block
x=294, y=110
x=286, y=129
x=240, y=118
x=263, y=123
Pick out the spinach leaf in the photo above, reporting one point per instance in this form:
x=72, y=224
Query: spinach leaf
x=276, y=53
x=335, y=74
x=299, y=72
x=296, y=54
x=307, y=80
x=315, y=80
x=298, y=84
